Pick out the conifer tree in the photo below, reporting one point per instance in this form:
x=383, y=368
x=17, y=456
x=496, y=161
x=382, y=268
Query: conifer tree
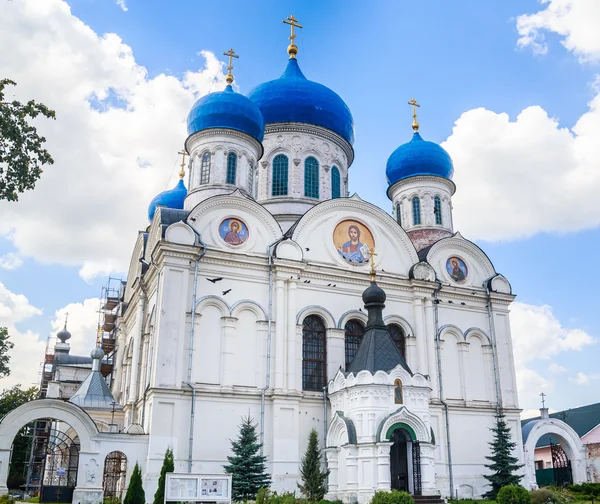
x=168, y=466
x=503, y=463
x=313, y=479
x=247, y=466
x=135, y=492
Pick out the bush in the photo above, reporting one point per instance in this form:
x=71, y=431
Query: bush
x=543, y=496
x=6, y=499
x=513, y=494
x=586, y=489
x=393, y=497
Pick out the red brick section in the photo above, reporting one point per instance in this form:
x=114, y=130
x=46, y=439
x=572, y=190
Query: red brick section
x=422, y=238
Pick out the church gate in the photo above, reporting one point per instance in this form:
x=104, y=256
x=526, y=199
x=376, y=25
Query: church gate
x=405, y=462
x=561, y=466
x=115, y=472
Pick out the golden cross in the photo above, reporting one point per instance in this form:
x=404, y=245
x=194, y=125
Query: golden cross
x=373, y=254
x=231, y=54
x=415, y=124
x=293, y=22
x=182, y=171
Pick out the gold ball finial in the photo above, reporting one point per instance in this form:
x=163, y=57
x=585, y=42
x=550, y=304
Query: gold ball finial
x=292, y=48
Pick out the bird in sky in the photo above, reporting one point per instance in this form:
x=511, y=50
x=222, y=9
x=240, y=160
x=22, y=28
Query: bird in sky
x=225, y=292
x=215, y=280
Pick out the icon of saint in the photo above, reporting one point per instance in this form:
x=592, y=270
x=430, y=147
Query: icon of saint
x=233, y=236
x=353, y=250
x=456, y=273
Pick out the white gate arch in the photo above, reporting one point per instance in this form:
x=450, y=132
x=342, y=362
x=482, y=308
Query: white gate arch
x=569, y=442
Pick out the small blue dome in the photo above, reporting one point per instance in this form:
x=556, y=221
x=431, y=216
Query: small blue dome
x=294, y=98
x=173, y=198
x=418, y=157
x=226, y=109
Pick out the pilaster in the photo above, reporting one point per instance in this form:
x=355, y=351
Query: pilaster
x=228, y=325
x=278, y=381
x=292, y=288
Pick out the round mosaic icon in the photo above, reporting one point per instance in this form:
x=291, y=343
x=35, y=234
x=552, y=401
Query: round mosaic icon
x=457, y=269
x=353, y=241
x=233, y=231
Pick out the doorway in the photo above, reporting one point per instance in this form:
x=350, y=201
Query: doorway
x=399, y=460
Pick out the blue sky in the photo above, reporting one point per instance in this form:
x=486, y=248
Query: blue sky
x=453, y=57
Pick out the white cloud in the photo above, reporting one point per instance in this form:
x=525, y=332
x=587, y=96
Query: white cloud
x=538, y=335
x=10, y=261
x=114, y=141
x=525, y=176
x=82, y=323
x=584, y=378
x=576, y=21
x=28, y=352
x=557, y=368
x=121, y=3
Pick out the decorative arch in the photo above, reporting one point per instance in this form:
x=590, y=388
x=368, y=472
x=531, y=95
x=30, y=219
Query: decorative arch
x=476, y=332
x=341, y=431
x=248, y=304
x=403, y=418
x=451, y=329
x=316, y=310
x=401, y=321
x=215, y=301
x=66, y=412
x=352, y=314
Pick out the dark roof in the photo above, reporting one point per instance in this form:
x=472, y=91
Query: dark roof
x=65, y=359
x=423, y=252
x=169, y=216
x=582, y=420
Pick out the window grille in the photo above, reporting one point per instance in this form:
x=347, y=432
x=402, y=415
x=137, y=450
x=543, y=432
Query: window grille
x=311, y=178
x=314, y=355
x=280, y=176
x=437, y=210
x=416, y=208
x=231, y=167
x=335, y=183
x=398, y=214
x=353, y=337
x=205, y=168
x=398, y=337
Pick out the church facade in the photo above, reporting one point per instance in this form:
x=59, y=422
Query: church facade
x=262, y=287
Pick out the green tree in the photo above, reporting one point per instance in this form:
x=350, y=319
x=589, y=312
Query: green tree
x=168, y=466
x=135, y=492
x=9, y=400
x=504, y=464
x=247, y=466
x=22, y=154
x=5, y=344
x=313, y=485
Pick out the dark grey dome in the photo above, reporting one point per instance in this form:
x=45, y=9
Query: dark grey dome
x=373, y=295
x=63, y=335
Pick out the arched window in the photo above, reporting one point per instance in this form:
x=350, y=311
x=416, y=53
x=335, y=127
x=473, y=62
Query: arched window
x=398, y=399
x=335, y=182
x=398, y=214
x=314, y=355
x=355, y=331
x=231, y=167
x=311, y=178
x=416, y=208
x=437, y=210
x=280, y=176
x=250, y=177
x=115, y=471
x=205, y=168
x=398, y=337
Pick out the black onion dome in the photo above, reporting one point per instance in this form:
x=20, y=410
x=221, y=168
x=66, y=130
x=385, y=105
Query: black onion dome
x=63, y=335
x=373, y=294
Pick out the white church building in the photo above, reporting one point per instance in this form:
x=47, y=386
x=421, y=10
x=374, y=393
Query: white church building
x=251, y=292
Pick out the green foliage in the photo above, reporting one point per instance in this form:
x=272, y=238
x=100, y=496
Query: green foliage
x=110, y=500
x=393, y=497
x=325, y=501
x=9, y=400
x=5, y=344
x=135, y=492
x=247, y=466
x=543, y=496
x=6, y=499
x=586, y=489
x=21, y=148
x=168, y=466
x=513, y=494
x=504, y=465
x=313, y=485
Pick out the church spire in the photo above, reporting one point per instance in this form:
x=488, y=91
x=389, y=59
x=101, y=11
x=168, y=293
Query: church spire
x=229, y=76
x=415, y=124
x=292, y=48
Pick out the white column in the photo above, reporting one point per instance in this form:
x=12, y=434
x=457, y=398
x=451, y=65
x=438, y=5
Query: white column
x=351, y=467
x=427, y=470
x=291, y=336
x=411, y=352
x=228, y=325
x=4, y=463
x=420, y=335
x=133, y=386
x=332, y=455
x=336, y=351
x=384, y=475
x=279, y=333
x=465, y=380
x=430, y=345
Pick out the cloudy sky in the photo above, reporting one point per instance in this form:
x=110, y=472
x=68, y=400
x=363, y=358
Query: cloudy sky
x=511, y=90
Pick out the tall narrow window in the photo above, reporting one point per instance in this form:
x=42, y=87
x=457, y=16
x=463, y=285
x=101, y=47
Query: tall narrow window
x=335, y=182
x=398, y=337
x=280, y=176
x=314, y=357
x=205, y=168
x=416, y=208
x=398, y=214
x=231, y=167
x=311, y=178
x=250, y=177
x=354, y=335
x=437, y=210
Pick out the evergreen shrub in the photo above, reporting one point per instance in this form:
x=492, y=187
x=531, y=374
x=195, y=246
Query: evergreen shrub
x=314, y=480
x=393, y=497
x=167, y=467
x=513, y=494
x=135, y=492
x=586, y=489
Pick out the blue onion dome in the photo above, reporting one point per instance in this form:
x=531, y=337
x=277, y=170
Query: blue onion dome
x=173, y=198
x=226, y=109
x=293, y=98
x=418, y=157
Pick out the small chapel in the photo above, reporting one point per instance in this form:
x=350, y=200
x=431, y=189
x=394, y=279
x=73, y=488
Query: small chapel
x=260, y=286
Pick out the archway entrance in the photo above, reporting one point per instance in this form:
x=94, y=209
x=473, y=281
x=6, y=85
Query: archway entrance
x=561, y=466
x=115, y=471
x=405, y=462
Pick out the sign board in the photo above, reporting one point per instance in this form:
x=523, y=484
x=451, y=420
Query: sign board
x=60, y=472
x=185, y=487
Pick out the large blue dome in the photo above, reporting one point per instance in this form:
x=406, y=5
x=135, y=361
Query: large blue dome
x=226, y=109
x=418, y=157
x=294, y=98
x=173, y=198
